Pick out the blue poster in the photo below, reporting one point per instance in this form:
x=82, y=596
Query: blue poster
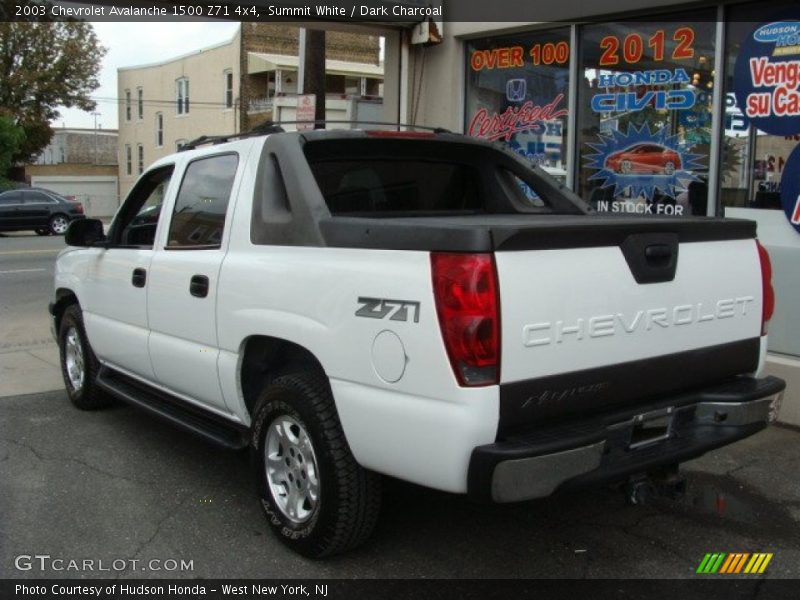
x=767, y=77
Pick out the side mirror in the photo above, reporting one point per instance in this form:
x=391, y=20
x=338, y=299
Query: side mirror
x=84, y=233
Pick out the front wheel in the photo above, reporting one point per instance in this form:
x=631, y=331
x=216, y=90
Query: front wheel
x=59, y=224
x=79, y=366
x=318, y=500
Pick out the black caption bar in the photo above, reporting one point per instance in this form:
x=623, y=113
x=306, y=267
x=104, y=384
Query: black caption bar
x=397, y=12
x=392, y=589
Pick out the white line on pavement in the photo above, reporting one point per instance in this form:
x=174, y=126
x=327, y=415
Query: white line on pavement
x=21, y=271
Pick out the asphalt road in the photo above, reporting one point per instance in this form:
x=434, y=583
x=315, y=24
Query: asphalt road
x=119, y=484
x=26, y=285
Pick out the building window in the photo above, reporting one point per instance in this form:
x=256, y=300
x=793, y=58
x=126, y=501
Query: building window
x=182, y=95
x=228, y=89
x=159, y=130
x=140, y=150
x=644, y=114
x=140, y=103
x=180, y=144
x=127, y=105
x=128, y=159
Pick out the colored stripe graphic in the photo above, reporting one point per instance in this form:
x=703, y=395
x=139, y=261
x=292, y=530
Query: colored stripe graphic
x=734, y=563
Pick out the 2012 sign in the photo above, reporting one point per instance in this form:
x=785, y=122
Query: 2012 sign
x=632, y=47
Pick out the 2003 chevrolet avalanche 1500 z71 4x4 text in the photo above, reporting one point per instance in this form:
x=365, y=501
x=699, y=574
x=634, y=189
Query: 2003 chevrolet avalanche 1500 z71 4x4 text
x=421, y=305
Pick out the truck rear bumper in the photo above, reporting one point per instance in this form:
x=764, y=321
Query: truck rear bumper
x=612, y=446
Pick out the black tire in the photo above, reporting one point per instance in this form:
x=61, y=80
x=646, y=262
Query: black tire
x=348, y=496
x=43, y=231
x=58, y=224
x=85, y=396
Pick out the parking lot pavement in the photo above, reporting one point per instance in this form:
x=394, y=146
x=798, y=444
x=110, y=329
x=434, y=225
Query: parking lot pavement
x=118, y=484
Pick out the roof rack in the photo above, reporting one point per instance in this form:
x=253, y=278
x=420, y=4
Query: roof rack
x=269, y=127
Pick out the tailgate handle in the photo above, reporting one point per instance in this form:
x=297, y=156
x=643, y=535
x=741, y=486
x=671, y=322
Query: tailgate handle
x=658, y=254
x=652, y=257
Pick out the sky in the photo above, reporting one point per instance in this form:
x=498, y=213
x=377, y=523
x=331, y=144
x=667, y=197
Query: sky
x=132, y=44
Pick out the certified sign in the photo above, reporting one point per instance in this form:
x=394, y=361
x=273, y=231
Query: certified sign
x=767, y=77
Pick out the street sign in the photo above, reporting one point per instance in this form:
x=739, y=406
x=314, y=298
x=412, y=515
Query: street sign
x=306, y=111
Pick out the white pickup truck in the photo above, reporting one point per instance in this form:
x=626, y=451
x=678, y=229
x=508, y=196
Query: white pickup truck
x=415, y=304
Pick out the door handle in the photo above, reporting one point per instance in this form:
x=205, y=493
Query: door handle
x=198, y=287
x=139, y=278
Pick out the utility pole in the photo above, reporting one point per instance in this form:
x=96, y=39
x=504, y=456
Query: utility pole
x=95, y=114
x=312, y=59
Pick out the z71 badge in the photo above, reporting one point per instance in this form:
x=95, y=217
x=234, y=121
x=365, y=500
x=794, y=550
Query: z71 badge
x=380, y=308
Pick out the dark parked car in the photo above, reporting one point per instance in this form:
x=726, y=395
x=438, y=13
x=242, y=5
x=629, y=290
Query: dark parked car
x=42, y=211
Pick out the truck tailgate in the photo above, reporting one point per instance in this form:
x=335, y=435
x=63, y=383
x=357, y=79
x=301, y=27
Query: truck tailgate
x=584, y=331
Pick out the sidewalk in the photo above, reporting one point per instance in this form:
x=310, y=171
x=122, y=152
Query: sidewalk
x=30, y=370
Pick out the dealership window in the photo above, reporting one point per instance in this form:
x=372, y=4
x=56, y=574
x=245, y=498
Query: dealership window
x=182, y=95
x=127, y=105
x=228, y=89
x=517, y=91
x=140, y=103
x=159, y=130
x=644, y=114
x=140, y=151
x=128, y=159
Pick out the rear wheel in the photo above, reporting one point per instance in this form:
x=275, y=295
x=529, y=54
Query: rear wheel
x=318, y=500
x=58, y=224
x=626, y=166
x=79, y=366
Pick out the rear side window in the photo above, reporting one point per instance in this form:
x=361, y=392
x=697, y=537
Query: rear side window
x=393, y=177
x=202, y=203
x=384, y=185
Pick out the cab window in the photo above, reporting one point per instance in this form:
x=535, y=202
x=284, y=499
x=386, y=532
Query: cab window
x=202, y=203
x=138, y=219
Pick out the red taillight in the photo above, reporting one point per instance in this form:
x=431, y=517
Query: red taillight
x=466, y=293
x=767, y=293
x=79, y=208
